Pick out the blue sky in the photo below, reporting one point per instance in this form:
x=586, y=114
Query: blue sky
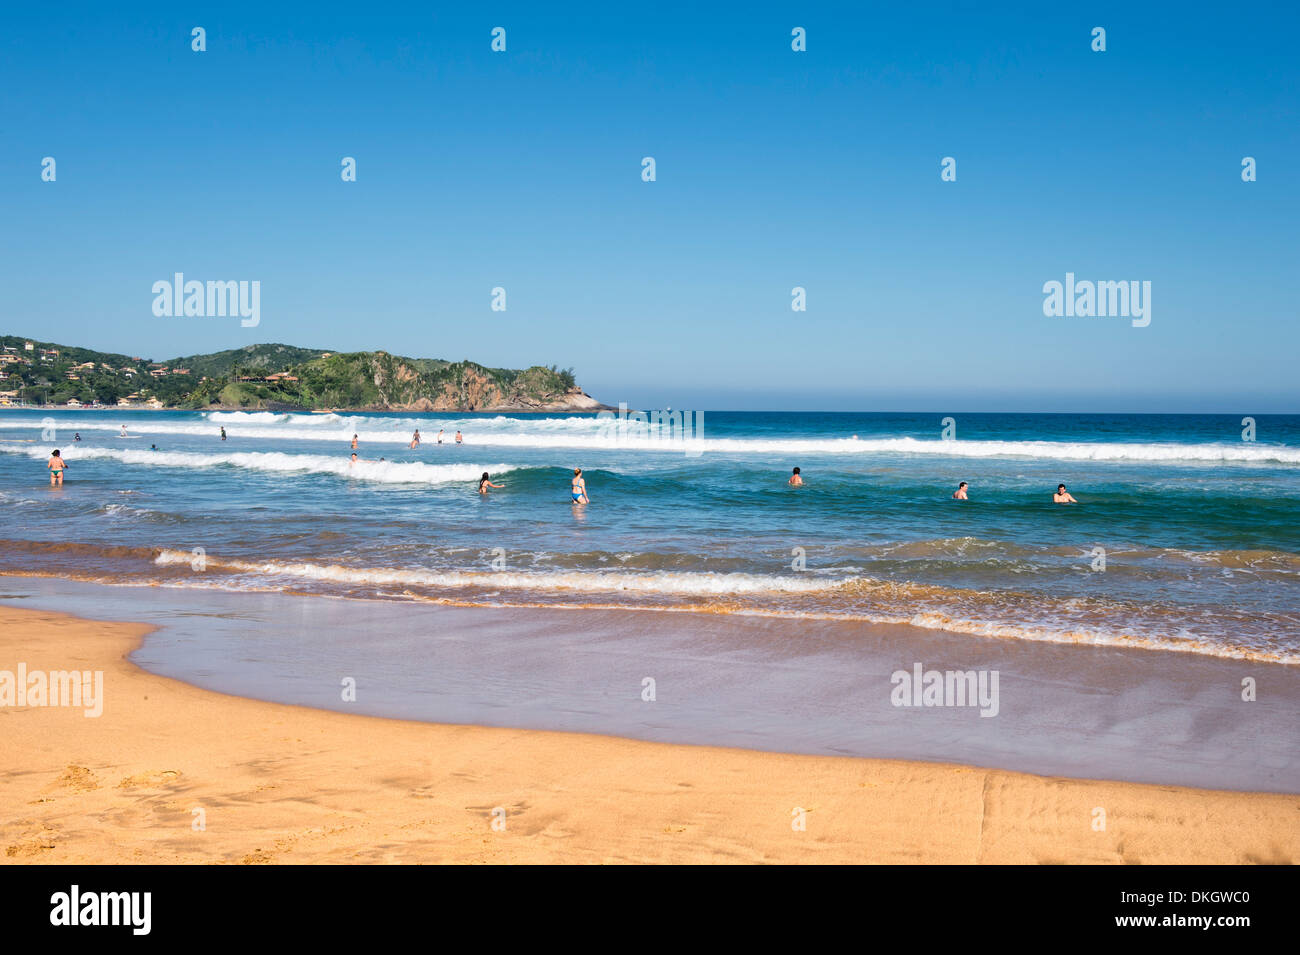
x=775, y=169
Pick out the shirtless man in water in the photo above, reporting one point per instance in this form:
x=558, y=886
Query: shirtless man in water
x=1062, y=496
x=960, y=493
x=796, y=480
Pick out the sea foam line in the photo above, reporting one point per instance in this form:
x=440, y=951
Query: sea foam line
x=672, y=582
x=588, y=434
x=383, y=472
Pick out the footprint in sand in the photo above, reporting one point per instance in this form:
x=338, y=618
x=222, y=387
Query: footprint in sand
x=77, y=778
x=159, y=777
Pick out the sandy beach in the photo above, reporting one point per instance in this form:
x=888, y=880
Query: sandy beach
x=288, y=784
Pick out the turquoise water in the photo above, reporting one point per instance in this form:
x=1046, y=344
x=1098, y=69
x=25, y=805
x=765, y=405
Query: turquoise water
x=1199, y=529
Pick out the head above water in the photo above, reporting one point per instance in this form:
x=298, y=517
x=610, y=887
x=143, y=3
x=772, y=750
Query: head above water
x=484, y=478
x=962, y=484
x=577, y=472
x=54, y=453
x=796, y=470
x=1060, y=487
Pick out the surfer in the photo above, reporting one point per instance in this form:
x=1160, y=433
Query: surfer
x=56, y=465
x=223, y=434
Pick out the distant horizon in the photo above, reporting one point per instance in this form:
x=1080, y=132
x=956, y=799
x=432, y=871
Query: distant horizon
x=771, y=400
x=776, y=402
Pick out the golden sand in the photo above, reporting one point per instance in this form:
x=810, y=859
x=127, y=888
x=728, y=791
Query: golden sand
x=274, y=783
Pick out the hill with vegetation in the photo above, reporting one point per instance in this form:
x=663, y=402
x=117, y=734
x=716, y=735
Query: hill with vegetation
x=279, y=377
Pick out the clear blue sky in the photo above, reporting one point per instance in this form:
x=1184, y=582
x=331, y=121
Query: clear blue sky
x=775, y=169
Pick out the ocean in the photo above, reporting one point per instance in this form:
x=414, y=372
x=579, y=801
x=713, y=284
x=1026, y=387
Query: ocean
x=1186, y=537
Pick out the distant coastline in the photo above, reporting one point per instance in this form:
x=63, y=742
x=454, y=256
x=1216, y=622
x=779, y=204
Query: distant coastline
x=276, y=377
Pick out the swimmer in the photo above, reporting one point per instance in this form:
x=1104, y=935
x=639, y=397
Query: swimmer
x=353, y=462
x=1062, y=496
x=56, y=465
x=485, y=482
x=77, y=436
x=415, y=439
x=578, y=488
x=153, y=447
x=223, y=434
x=459, y=439
x=796, y=480
x=960, y=493
x=354, y=443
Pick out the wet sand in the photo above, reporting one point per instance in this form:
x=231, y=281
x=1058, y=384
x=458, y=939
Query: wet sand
x=279, y=783
x=817, y=687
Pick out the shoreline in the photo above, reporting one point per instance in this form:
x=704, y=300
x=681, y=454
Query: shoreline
x=1069, y=710
x=282, y=783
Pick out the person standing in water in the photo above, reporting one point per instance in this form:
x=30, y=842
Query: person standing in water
x=354, y=442
x=123, y=434
x=485, y=482
x=459, y=439
x=440, y=436
x=1062, y=496
x=796, y=480
x=223, y=434
x=578, y=488
x=57, y=465
x=415, y=439
x=960, y=493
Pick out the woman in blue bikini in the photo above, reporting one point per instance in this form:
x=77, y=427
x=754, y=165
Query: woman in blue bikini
x=579, y=488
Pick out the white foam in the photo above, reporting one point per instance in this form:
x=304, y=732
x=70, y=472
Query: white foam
x=383, y=472
x=589, y=433
x=663, y=582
